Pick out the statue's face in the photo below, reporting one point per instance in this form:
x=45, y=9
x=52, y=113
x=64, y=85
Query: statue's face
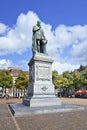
x=38, y=23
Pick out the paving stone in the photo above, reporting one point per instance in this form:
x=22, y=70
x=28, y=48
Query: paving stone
x=76, y=120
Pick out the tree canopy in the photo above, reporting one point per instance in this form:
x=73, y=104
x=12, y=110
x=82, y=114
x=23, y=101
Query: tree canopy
x=6, y=80
x=72, y=80
x=22, y=81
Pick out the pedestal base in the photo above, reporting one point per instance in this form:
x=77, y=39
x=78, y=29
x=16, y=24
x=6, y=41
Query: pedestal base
x=41, y=101
x=21, y=110
x=41, y=88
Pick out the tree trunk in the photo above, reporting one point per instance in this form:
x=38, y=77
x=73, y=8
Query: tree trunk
x=5, y=90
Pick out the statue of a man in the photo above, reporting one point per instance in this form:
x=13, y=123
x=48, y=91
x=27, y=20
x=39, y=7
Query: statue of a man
x=38, y=39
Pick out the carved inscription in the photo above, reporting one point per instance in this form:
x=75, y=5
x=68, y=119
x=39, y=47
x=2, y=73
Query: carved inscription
x=43, y=73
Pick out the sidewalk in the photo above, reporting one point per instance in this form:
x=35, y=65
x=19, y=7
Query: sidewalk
x=6, y=121
x=56, y=121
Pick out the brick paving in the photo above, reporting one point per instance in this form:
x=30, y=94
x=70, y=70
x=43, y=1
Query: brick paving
x=10, y=100
x=6, y=122
x=76, y=120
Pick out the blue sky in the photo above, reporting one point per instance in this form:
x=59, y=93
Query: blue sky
x=65, y=26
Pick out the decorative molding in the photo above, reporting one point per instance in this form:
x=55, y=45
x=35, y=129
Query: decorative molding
x=44, y=88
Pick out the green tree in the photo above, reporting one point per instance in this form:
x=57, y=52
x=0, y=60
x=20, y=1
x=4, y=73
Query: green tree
x=54, y=78
x=62, y=83
x=69, y=77
x=21, y=82
x=6, y=80
x=69, y=88
x=76, y=80
x=84, y=78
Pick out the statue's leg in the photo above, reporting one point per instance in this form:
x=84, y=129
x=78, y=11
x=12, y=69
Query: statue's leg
x=41, y=47
x=34, y=44
x=38, y=45
x=44, y=48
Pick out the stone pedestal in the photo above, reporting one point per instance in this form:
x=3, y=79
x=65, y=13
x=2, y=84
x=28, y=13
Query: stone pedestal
x=41, y=88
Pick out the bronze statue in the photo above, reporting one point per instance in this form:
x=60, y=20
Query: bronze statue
x=38, y=39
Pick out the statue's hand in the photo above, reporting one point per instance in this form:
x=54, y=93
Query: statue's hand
x=44, y=41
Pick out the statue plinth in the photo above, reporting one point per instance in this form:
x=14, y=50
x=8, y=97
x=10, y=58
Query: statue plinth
x=41, y=88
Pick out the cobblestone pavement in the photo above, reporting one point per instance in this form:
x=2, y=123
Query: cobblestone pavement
x=76, y=120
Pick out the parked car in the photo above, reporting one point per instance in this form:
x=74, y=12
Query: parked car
x=81, y=94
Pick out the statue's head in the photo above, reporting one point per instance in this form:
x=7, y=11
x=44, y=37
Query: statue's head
x=38, y=23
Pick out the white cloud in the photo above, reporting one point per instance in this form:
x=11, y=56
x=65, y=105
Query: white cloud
x=61, y=67
x=72, y=37
x=3, y=28
x=19, y=38
x=79, y=52
x=4, y=64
